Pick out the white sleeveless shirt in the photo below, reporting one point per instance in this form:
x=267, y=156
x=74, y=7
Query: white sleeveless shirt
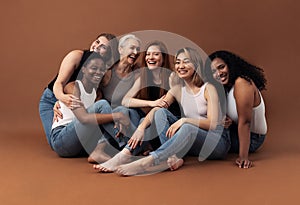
x=88, y=99
x=258, y=121
x=194, y=105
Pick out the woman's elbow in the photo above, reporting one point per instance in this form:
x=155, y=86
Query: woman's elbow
x=125, y=102
x=84, y=120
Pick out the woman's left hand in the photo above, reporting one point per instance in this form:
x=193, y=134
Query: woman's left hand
x=243, y=163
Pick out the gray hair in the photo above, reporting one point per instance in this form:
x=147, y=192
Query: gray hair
x=122, y=41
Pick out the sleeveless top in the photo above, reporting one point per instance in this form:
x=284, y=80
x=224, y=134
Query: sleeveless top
x=88, y=99
x=117, y=88
x=74, y=76
x=194, y=105
x=258, y=121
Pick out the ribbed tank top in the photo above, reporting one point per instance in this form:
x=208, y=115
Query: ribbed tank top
x=194, y=105
x=117, y=88
x=258, y=121
x=88, y=99
x=74, y=76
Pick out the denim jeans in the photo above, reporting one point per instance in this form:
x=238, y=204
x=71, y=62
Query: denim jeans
x=76, y=138
x=256, y=140
x=110, y=131
x=163, y=120
x=46, y=104
x=190, y=139
x=150, y=138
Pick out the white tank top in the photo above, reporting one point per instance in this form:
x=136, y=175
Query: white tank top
x=258, y=121
x=88, y=99
x=194, y=105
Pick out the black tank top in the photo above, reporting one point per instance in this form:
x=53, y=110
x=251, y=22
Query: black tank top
x=86, y=54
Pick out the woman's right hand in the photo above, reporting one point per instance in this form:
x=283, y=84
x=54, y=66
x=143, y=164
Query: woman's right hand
x=137, y=138
x=161, y=102
x=71, y=101
x=57, y=112
x=122, y=122
x=227, y=122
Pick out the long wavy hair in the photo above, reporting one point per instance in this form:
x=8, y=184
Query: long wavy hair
x=239, y=67
x=146, y=74
x=200, y=75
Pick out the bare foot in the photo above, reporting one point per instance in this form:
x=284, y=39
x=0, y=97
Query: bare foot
x=174, y=162
x=111, y=165
x=136, y=167
x=98, y=155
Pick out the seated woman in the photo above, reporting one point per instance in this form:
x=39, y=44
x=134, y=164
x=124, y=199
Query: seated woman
x=245, y=105
x=150, y=89
x=118, y=79
x=104, y=44
x=198, y=129
x=79, y=130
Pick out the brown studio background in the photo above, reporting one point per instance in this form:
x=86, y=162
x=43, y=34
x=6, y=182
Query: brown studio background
x=35, y=36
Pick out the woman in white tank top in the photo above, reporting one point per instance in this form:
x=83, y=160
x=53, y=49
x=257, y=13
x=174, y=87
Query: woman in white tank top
x=79, y=131
x=199, y=135
x=245, y=105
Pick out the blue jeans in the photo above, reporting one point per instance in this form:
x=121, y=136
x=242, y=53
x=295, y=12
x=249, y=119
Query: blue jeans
x=150, y=138
x=46, y=104
x=76, y=138
x=163, y=120
x=110, y=131
x=256, y=140
x=190, y=139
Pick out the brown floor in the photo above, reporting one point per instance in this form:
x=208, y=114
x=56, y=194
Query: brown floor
x=32, y=174
x=35, y=35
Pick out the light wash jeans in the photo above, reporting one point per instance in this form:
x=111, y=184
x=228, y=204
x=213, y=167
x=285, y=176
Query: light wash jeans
x=150, y=138
x=110, y=131
x=76, y=138
x=46, y=104
x=256, y=140
x=189, y=139
x=163, y=120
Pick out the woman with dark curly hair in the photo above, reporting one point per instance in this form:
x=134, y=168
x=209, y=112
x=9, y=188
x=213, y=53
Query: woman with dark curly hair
x=242, y=82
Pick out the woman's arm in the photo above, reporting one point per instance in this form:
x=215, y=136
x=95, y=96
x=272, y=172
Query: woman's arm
x=210, y=122
x=244, y=96
x=129, y=99
x=68, y=65
x=94, y=118
x=138, y=135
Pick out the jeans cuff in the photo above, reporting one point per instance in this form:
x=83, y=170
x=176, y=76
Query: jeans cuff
x=155, y=157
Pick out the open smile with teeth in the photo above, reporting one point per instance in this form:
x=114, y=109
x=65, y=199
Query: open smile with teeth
x=222, y=77
x=133, y=56
x=97, y=77
x=182, y=71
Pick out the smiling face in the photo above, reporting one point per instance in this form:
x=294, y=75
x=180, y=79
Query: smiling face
x=154, y=57
x=184, y=67
x=130, y=50
x=100, y=45
x=220, y=71
x=93, y=71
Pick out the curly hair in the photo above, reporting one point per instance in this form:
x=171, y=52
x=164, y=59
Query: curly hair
x=238, y=67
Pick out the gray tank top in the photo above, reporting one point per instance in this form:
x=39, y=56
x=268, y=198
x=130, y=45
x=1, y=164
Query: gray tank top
x=118, y=87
